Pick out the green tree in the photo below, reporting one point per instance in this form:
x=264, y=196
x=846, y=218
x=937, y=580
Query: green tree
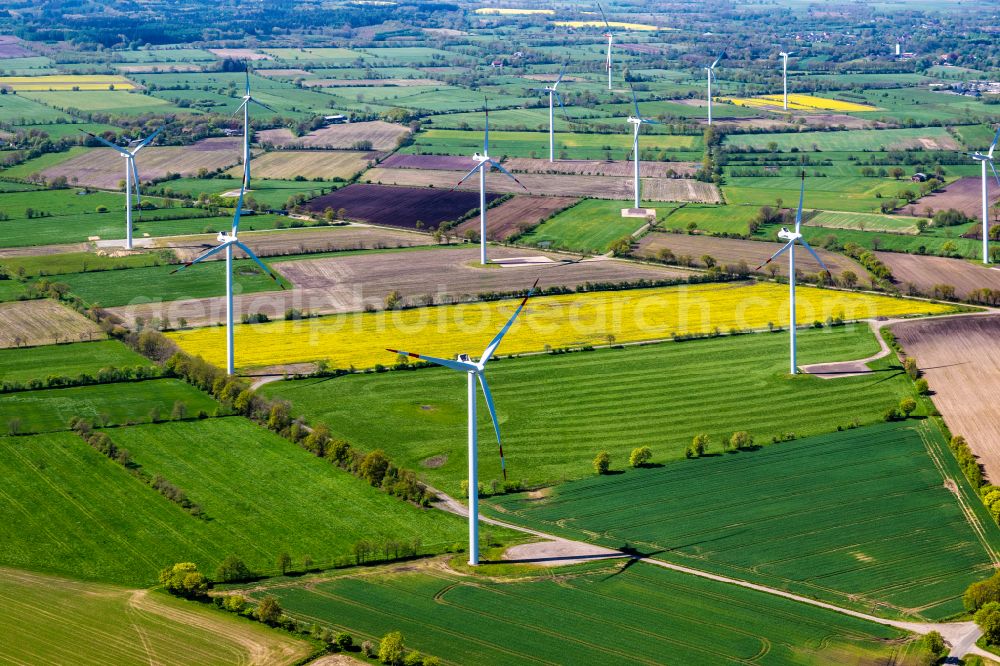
x=374, y=466
x=344, y=641
x=910, y=365
x=640, y=456
x=622, y=246
x=232, y=569
x=391, y=649
x=698, y=445
x=907, y=405
x=269, y=610
x=981, y=593
x=602, y=463
x=284, y=562
x=923, y=388
x=184, y=580
x=741, y=440
x=849, y=279
x=988, y=619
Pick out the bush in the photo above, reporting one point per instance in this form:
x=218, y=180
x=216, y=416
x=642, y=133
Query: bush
x=269, y=610
x=923, y=388
x=697, y=447
x=602, y=463
x=640, y=457
x=741, y=440
x=184, y=580
x=232, y=570
x=981, y=593
x=391, y=649
x=368, y=649
x=413, y=659
x=910, y=365
x=344, y=641
x=906, y=406
x=892, y=414
x=988, y=619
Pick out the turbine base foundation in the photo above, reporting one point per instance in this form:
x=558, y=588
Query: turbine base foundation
x=638, y=212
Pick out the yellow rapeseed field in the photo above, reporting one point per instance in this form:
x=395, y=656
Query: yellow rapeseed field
x=573, y=320
x=801, y=103
x=66, y=82
x=504, y=11
x=613, y=24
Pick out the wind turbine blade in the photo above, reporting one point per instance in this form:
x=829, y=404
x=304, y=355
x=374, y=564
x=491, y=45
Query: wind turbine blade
x=486, y=132
x=461, y=366
x=508, y=173
x=107, y=143
x=238, y=109
x=135, y=183
x=559, y=80
x=606, y=24
x=493, y=416
x=145, y=142
x=635, y=100
x=721, y=56
x=260, y=263
x=802, y=195
x=201, y=257
x=775, y=255
x=813, y=253
x=239, y=211
x=466, y=176
x=562, y=106
x=246, y=71
x=650, y=121
x=993, y=145
x=994, y=171
x=262, y=104
x=488, y=353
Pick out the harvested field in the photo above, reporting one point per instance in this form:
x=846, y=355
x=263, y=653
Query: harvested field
x=604, y=187
x=965, y=194
x=925, y=272
x=161, y=67
x=325, y=164
x=44, y=322
x=240, y=54
x=398, y=206
x=103, y=167
x=300, y=241
x=11, y=47
x=514, y=214
x=280, y=73
x=333, y=285
x=733, y=250
x=383, y=136
x=600, y=167
x=75, y=82
x=436, y=162
x=960, y=357
x=372, y=83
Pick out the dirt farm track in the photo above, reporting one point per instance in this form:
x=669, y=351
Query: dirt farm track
x=960, y=357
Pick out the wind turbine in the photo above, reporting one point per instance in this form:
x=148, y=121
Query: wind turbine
x=793, y=237
x=611, y=38
x=226, y=242
x=475, y=371
x=131, y=177
x=637, y=122
x=553, y=93
x=485, y=163
x=987, y=159
x=711, y=73
x=784, y=74
x=245, y=106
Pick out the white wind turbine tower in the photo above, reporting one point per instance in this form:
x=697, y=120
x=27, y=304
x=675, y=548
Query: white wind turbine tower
x=485, y=164
x=784, y=74
x=637, y=122
x=793, y=237
x=553, y=93
x=710, y=70
x=131, y=177
x=984, y=160
x=475, y=372
x=611, y=38
x=226, y=242
x=245, y=107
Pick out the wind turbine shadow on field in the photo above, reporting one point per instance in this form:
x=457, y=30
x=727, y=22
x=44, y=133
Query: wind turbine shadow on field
x=634, y=555
x=557, y=558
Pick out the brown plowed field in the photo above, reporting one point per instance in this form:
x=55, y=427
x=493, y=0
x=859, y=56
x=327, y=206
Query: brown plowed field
x=603, y=187
x=104, y=168
x=732, y=250
x=347, y=284
x=599, y=167
x=280, y=73
x=384, y=136
x=44, y=322
x=407, y=207
x=960, y=357
x=965, y=194
x=509, y=217
x=300, y=241
x=925, y=272
x=372, y=83
x=240, y=54
x=326, y=164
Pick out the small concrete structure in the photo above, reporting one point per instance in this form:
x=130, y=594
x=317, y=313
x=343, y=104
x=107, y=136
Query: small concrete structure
x=639, y=212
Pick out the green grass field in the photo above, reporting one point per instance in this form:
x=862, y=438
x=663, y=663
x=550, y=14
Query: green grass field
x=932, y=241
x=711, y=218
x=554, y=415
x=156, y=283
x=590, y=226
x=67, y=360
x=864, y=222
x=576, y=146
x=70, y=510
x=851, y=194
x=48, y=410
x=82, y=262
x=888, y=139
x=114, y=102
x=922, y=105
x=272, y=193
x=54, y=620
x=859, y=518
x=642, y=615
x=10, y=290
x=19, y=110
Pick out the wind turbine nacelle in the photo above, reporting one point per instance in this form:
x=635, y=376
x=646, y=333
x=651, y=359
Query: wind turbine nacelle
x=223, y=237
x=481, y=158
x=464, y=358
x=787, y=235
